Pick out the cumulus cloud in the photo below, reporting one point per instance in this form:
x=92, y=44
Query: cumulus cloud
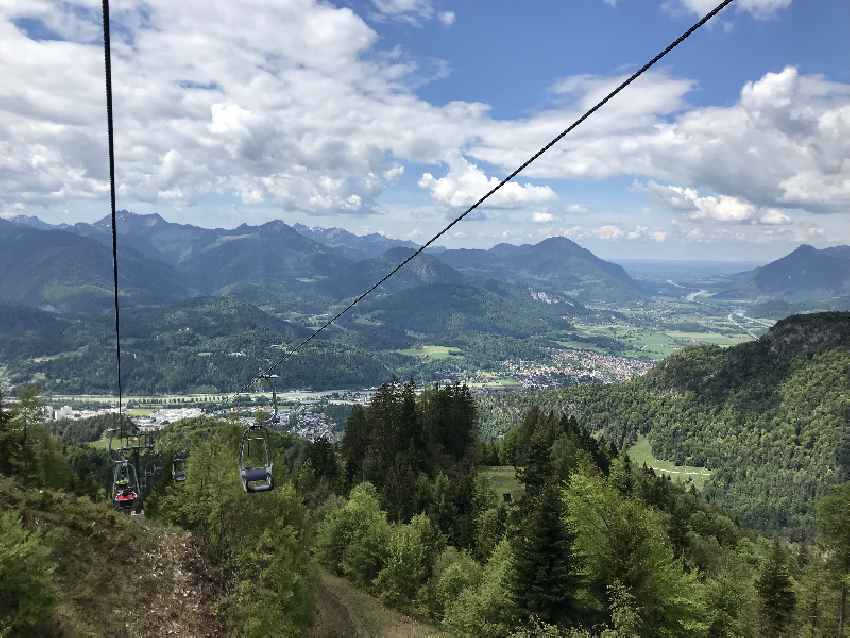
x=542, y=217
x=413, y=12
x=446, y=17
x=784, y=144
x=298, y=110
x=608, y=231
x=758, y=8
x=465, y=183
x=645, y=233
x=303, y=110
x=718, y=208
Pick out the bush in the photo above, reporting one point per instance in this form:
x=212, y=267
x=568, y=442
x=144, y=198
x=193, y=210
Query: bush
x=487, y=610
x=411, y=552
x=354, y=539
x=27, y=591
x=453, y=572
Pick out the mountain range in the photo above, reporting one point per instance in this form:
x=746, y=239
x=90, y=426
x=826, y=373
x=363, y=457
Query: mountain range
x=68, y=267
x=303, y=269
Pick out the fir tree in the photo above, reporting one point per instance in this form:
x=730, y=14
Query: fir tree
x=776, y=597
x=543, y=584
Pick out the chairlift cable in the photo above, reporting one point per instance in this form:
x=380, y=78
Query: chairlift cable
x=288, y=355
x=107, y=54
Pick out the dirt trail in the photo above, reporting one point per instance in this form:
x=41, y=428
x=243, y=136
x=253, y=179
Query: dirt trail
x=181, y=592
x=343, y=611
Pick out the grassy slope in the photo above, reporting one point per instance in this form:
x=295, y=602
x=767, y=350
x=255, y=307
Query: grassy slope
x=641, y=452
x=118, y=576
x=502, y=479
x=345, y=612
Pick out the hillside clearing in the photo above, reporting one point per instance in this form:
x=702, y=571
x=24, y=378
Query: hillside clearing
x=431, y=352
x=641, y=452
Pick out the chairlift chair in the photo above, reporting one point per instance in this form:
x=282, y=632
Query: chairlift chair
x=254, y=446
x=178, y=469
x=125, y=486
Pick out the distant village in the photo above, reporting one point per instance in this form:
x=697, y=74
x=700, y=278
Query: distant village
x=314, y=415
x=308, y=415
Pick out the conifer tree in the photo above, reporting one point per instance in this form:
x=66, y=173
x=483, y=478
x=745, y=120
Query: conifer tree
x=833, y=520
x=776, y=596
x=543, y=584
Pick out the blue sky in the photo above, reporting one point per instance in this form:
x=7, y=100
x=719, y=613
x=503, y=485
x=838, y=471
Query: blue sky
x=392, y=115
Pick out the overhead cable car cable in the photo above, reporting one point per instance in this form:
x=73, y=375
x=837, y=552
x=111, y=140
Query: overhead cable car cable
x=111, y=142
x=288, y=355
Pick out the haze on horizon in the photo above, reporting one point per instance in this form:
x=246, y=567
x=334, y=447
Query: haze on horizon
x=393, y=115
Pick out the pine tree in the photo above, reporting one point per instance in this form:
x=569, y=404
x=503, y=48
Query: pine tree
x=543, y=584
x=776, y=597
x=833, y=520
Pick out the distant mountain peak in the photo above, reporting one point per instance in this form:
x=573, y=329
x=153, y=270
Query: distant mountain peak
x=30, y=220
x=806, y=272
x=804, y=249
x=124, y=216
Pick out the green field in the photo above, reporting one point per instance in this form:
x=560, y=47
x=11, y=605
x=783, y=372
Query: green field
x=641, y=452
x=712, y=338
x=579, y=345
x=431, y=353
x=646, y=342
x=502, y=479
x=100, y=444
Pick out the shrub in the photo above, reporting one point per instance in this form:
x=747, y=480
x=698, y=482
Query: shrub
x=27, y=591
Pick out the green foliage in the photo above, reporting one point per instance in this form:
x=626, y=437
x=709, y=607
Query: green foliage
x=353, y=539
x=419, y=452
x=487, y=610
x=27, y=588
x=833, y=524
x=622, y=540
x=453, y=572
x=274, y=590
x=776, y=597
x=768, y=418
x=544, y=583
x=261, y=540
x=27, y=450
x=411, y=550
x=89, y=429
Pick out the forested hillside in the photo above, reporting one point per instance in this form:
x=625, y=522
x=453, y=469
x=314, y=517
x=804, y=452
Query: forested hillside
x=770, y=419
x=591, y=545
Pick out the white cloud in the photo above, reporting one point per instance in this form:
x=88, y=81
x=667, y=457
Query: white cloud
x=465, y=183
x=394, y=173
x=542, y=217
x=608, y=231
x=446, y=17
x=302, y=110
x=297, y=110
x=717, y=208
x=645, y=233
x=413, y=12
x=759, y=8
x=773, y=217
x=785, y=144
